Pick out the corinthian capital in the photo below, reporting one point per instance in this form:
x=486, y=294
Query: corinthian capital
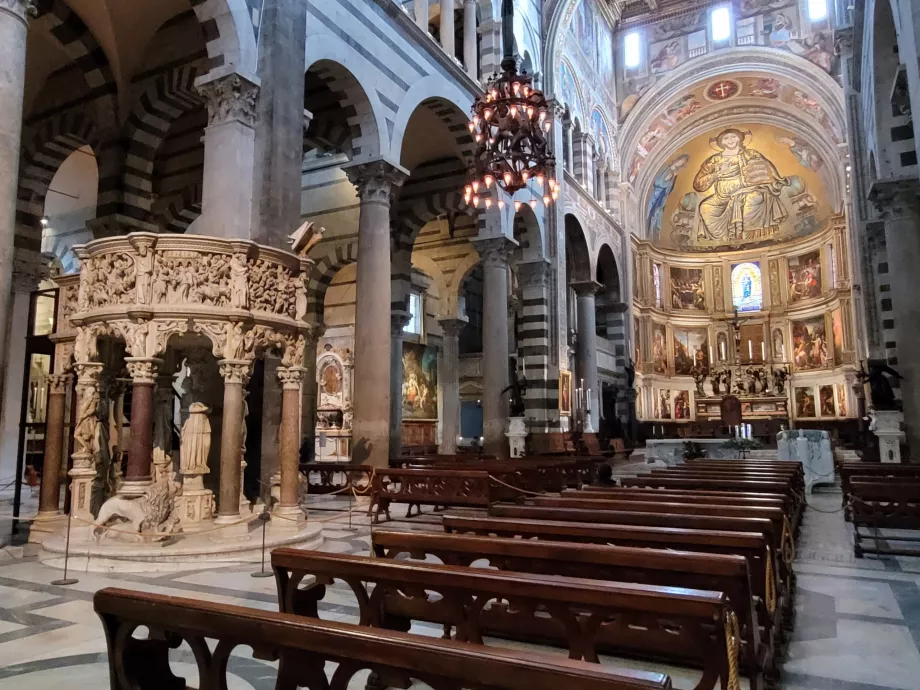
x=376, y=181
x=291, y=378
x=231, y=98
x=21, y=9
x=495, y=250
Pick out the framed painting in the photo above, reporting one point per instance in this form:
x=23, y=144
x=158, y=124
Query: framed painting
x=687, y=288
x=420, y=382
x=809, y=343
x=805, y=276
x=565, y=393
x=805, y=402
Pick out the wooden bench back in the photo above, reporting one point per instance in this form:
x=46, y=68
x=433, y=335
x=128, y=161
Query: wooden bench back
x=689, y=496
x=675, y=505
x=303, y=647
x=724, y=484
x=668, y=622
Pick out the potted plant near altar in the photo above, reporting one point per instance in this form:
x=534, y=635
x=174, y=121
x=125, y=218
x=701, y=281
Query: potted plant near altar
x=743, y=445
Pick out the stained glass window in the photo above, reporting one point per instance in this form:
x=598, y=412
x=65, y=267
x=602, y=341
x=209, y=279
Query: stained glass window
x=747, y=287
x=656, y=279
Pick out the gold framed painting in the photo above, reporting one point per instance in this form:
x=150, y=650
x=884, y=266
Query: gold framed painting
x=565, y=393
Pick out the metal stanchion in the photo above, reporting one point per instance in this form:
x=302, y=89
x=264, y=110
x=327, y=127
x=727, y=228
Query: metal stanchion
x=264, y=516
x=66, y=580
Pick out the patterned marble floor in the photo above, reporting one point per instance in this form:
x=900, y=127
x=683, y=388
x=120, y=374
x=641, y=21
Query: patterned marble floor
x=858, y=625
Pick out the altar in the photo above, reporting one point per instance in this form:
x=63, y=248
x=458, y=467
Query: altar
x=670, y=451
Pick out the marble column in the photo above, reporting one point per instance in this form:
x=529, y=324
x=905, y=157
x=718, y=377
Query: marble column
x=83, y=471
x=140, y=452
x=229, y=156
x=49, y=500
x=449, y=376
x=13, y=30
x=898, y=204
x=494, y=252
x=421, y=14
x=398, y=321
x=447, y=27
x=235, y=374
x=586, y=351
x=288, y=508
x=375, y=184
x=567, y=144
x=470, y=60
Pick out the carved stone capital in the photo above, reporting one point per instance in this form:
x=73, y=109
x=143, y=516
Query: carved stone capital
x=376, y=181
x=586, y=288
x=235, y=371
x=20, y=9
x=452, y=327
x=495, y=250
x=398, y=321
x=59, y=384
x=143, y=371
x=843, y=41
x=291, y=378
x=231, y=98
x=533, y=273
x=896, y=199
x=88, y=373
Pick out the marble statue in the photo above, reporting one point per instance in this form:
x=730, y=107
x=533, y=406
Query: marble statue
x=239, y=282
x=143, y=270
x=300, y=297
x=152, y=514
x=195, y=441
x=305, y=238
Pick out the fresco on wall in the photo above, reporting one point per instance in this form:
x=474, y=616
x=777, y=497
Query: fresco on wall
x=569, y=90
x=604, y=50
x=709, y=95
x=674, y=41
x=687, y=288
x=805, y=276
x=691, y=350
x=420, y=382
x=659, y=349
x=600, y=131
x=809, y=344
x=733, y=188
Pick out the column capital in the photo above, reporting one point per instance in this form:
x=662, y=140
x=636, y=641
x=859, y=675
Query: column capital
x=143, y=370
x=495, y=250
x=230, y=98
x=398, y=321
x=377, y=180
x=291, y=378
x=88, y=372
x=533, y=273
x=20, y=9
x=452, y=326
x=586, y=288
x=895, y=199
x=59, y=383
x=235, y=371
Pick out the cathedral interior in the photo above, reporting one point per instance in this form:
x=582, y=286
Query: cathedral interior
x=611, y=296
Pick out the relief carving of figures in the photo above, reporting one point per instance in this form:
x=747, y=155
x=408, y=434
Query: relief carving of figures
x=272, y=288
x=86, y=348
x=195, y=442
x=69, y=301
x=293, y=351
x=85, y=426
x=164, y=331
x=143, y=273
x=136, y=337
x=239, y=282
x=107, y=280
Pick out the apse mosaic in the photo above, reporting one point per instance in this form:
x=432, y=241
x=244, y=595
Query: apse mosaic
x=674, y=41
x=732, y=188
x=711, y=94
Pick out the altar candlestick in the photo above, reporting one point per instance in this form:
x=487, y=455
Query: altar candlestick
x=710, y=354
x=722, y=351
x=763, y=352
x=750, y=351
x=782, y=350
x=588, y=401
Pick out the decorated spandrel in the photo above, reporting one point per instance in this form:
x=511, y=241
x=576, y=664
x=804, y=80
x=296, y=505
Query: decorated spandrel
x=747, y=286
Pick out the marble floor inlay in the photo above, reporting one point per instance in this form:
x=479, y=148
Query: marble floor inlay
x=857, y=625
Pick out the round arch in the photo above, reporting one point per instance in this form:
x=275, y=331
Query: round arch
x=336, y=68
x=608, y=272
x=434, y=92
x=231, y=36
x=464, y=268
x=578, y=258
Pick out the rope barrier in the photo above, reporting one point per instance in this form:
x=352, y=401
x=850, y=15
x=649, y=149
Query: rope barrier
x=732, y=647
x=518, y=489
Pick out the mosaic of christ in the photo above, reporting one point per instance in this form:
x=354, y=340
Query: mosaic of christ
x=733, y=187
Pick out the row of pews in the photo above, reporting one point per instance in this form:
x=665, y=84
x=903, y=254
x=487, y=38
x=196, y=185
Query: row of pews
x=687, y=575
x=877, y=497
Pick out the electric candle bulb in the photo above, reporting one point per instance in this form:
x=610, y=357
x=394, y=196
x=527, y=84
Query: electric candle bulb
x=475, y=200
x=471, y=126
x=524, y=177
x=487, y=113
x=517, y=206
x=540, y=180
x=489, y=180
x=475, y=185
x=508, y=178
x=547, y=201
x=513, y=111
x=488, y=203
x=533, y=203
x=501, y=204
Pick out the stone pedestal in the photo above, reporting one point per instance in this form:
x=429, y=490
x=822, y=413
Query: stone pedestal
x=517, y=436
x=494, y=252
x=375, y=183
x=886, y=425
x=195, y=506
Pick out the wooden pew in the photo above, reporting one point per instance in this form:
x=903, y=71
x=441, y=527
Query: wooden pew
x=716, y=572
x=303, y=647
x=872, y=472
x=438, y=487
x=335, y=477
x=884, y=503
x=681, y=625
x=638, y=494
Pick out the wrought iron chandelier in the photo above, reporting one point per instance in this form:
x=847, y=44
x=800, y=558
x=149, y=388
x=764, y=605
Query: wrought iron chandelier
x=510, y=126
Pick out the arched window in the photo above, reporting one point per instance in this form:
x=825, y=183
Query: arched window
x=747, y=287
